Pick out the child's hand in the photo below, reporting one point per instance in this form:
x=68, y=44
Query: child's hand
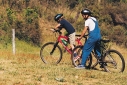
x=53, y=29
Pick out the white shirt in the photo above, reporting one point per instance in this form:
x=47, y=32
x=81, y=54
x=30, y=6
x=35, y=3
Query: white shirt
x=90, y=23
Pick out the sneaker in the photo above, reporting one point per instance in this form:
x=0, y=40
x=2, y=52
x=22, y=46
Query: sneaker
x=76, y=57
x=75, y=54
x=80, y=67
x=70, y=49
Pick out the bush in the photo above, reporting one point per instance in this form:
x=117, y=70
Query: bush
x=28, y=29
x=118, y=35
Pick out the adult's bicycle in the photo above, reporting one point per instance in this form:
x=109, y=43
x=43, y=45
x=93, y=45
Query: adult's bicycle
x=51, y=52
x=111, y=60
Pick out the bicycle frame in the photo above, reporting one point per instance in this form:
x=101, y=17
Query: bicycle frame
x=59, y=40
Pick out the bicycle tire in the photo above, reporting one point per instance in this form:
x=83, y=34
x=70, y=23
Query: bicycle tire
x=77, y=60
x=47, y=57
x=113, y=61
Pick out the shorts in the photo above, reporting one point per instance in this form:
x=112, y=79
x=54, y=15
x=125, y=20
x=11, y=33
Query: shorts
x=72, y=38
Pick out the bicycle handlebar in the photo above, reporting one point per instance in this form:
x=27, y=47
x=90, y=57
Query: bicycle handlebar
x=55, y=30
x=80, y=35
x=59, y=31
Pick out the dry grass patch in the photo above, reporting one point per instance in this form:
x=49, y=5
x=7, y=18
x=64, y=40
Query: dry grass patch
x=26, y=68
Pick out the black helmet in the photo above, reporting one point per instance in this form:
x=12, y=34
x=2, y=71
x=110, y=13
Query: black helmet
x=57, y=17
x=85, y=12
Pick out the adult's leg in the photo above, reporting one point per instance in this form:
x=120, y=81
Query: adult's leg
x=88, y=47
x=97, y=49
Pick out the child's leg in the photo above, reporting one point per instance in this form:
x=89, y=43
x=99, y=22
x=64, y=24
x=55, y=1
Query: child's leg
x=72, y=40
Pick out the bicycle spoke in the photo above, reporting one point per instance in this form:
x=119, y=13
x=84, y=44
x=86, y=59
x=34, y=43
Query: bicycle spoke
x=48, y=57
x=76, y=60
x=114, y=61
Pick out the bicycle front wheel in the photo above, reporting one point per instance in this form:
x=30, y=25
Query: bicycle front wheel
x=113, y=61
x=76, y=60
x=50, y=56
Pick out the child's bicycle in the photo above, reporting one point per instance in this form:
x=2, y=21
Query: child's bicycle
x=111, y=60
x=51, y=52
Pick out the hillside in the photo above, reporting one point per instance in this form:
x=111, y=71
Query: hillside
x=31, y=20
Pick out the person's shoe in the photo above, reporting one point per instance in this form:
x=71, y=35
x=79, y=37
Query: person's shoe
x=80, y=67
x=76, y=57
x=75, y=54
x=70, y=49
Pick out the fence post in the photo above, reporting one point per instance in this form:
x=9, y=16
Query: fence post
x=13, y=41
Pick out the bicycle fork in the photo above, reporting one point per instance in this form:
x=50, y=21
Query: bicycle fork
x=111, y=60
x=54, y=47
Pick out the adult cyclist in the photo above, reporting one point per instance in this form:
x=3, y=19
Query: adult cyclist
x=93, y=41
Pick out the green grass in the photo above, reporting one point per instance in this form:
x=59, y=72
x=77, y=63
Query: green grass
x=26, y=68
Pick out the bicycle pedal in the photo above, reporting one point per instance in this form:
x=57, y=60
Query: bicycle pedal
x=105, y=64
x=100, y=63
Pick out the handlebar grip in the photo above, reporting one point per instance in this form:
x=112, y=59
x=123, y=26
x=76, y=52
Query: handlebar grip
x=53, y=29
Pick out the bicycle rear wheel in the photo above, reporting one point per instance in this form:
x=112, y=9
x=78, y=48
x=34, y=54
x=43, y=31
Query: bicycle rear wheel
x=113, y=61
x=48, y=57
x=76, y=60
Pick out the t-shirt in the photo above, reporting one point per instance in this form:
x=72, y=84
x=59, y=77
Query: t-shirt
x=68, y=27
x=94, y=30
x=90, y=23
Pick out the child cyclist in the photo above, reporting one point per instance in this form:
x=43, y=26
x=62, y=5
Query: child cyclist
x=62, y=23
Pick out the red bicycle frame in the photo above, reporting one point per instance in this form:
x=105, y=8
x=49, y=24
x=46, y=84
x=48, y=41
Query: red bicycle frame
x=59, y=39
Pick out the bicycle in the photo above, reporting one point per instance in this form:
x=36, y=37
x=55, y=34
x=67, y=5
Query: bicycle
x=111, y=60
x=51, y=52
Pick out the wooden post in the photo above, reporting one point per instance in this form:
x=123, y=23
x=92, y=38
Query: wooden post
x=13, y=41
x=99, y=1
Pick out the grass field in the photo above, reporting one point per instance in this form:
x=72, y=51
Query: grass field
x=26, y=68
